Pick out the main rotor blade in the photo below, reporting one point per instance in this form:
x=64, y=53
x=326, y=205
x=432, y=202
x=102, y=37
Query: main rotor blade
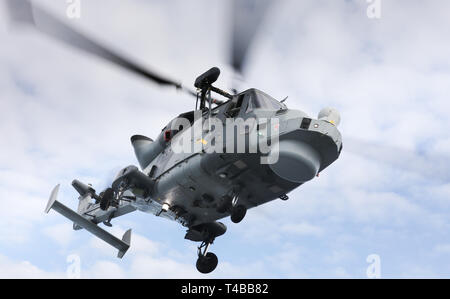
x=247, y=18
x=432, y=166
x=24, y=12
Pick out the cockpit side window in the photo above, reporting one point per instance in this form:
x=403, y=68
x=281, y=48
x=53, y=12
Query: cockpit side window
x=235, y=106
x=175, y=127
x=264, y=101
x=188, y=115
x=250, y=104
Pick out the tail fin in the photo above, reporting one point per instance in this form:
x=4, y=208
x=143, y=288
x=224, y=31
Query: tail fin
x=146, y=149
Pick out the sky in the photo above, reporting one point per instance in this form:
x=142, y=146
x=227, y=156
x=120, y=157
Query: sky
x=67, y=115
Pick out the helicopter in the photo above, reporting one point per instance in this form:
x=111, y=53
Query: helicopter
x=196, y=188
x=216, y=161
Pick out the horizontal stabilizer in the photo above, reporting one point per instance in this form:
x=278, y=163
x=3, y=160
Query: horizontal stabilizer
x=121, y=245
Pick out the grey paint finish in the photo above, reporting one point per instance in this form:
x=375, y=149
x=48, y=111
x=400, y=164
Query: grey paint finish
x=184, y=180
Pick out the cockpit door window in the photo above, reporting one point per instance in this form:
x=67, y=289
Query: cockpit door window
x=235, y=106
x=264, y=101
x=250, y=104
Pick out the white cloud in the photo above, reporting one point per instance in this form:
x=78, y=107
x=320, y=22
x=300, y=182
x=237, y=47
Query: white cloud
x=63, y=233
x=302, y=228
x=442, y=248
x=104, y=269
x=23, y=269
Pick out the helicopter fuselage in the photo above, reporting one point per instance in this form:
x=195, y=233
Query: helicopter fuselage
x=191, y=186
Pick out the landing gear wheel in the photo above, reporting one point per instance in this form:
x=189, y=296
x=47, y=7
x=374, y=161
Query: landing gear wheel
x=238, y=213
x=106, y=199
x=206, y=264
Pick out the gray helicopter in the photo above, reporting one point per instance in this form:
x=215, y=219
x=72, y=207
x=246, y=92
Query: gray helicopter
x=198, y=187
x=216, y=161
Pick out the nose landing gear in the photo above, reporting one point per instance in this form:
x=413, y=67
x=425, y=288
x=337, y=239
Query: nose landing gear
x=238, y=213
x=230, y=204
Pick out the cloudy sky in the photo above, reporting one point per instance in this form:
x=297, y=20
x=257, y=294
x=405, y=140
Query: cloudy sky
x=65, y=115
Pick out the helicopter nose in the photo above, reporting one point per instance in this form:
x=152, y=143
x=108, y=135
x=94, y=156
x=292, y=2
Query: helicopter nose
x=294, y=161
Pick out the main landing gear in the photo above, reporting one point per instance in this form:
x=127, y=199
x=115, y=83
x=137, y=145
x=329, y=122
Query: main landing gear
x=206, y=233
x=207, y=261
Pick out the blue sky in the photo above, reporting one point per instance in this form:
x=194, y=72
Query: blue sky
x=64, y=115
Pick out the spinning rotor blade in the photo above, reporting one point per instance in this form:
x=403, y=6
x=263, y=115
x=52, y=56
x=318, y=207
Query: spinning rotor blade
x=24, y=12
x=247, y=18
x=432, y=166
